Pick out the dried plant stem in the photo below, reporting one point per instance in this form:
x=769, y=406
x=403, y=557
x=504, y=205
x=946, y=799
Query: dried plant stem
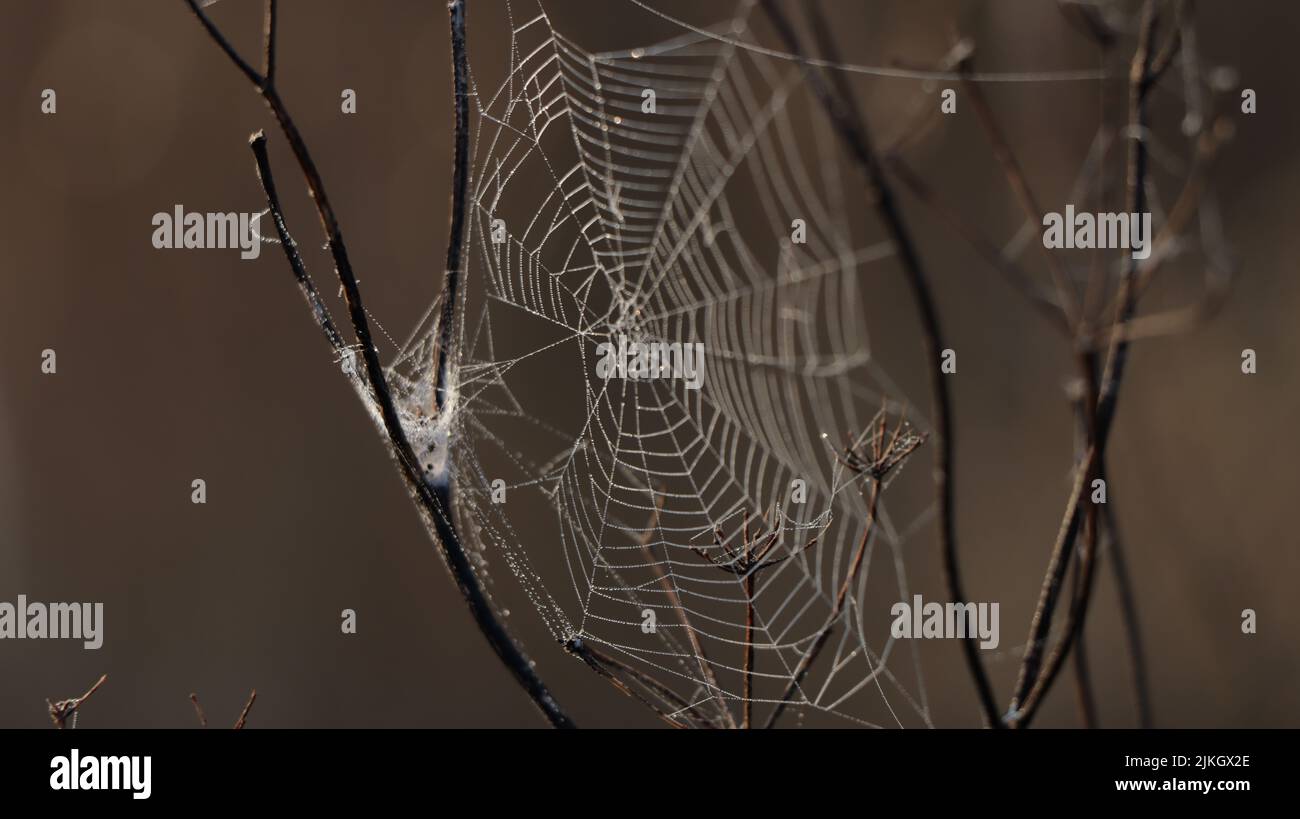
x=433, y=495
x=459, y=204
x=63, y=710
x=1020, y=186
x=666, y=584
x=1074, y=322
x=1083, y=692
x=675, y=600
x=747, y=662
x=1078, y=330
x=1087, y=364
x=851, y=127
x=810, y=657
x=243, y=715
x=1128, y=610
x=994, y=256
x=1036, y=677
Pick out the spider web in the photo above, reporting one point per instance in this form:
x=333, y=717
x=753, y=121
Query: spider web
x=635, y=506
x=629, y=504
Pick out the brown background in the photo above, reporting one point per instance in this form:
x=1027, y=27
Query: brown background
x=181, y=365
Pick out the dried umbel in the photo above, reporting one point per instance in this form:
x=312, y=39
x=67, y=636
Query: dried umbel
x=877, y=452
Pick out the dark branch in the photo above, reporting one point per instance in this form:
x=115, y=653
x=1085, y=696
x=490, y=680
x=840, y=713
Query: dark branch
x=1034, y=682
x=851, y=127
x=459, y=197
x=268, y=60
x=1128, y=610
x=432, y=494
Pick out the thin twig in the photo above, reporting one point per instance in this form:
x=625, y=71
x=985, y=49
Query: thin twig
x=1083, y=690
x=243, y=715
x=810, y=657
x=268, y=59
x=665, y=692
x=851, y=127
x=1087, y=363
x=886, y=453
x=602, y=664
x=675, y=601
x=994, y=256
x=747, y=661
x=1034, y=682
x=433, y=493
x=62, y=710
x=1128, y=610
x=1075, y=320
x=198, y=709
x=459, y=199
x=1020, y=186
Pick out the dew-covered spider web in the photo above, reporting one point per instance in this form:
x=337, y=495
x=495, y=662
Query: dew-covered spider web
x=726, y=553
x=696, y=546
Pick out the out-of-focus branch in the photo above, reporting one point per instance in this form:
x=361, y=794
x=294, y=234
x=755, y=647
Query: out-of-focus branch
x=849, y=123
x=1037, y=677
x=1006, y=158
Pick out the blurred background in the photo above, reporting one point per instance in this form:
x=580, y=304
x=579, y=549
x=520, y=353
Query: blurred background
x=174, y=366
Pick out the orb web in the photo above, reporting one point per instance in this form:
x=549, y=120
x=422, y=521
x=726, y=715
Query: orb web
x=678, y=193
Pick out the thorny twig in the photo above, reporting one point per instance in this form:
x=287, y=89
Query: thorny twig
x=432, y=493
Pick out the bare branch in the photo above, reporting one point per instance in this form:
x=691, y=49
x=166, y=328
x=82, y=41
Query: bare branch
x=1020, y=186
x=268, y=27
x=851, y=127
x=432, y=494
x=459, y=198
x=1034, y=681
x=243, y=715
x=63, y=710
